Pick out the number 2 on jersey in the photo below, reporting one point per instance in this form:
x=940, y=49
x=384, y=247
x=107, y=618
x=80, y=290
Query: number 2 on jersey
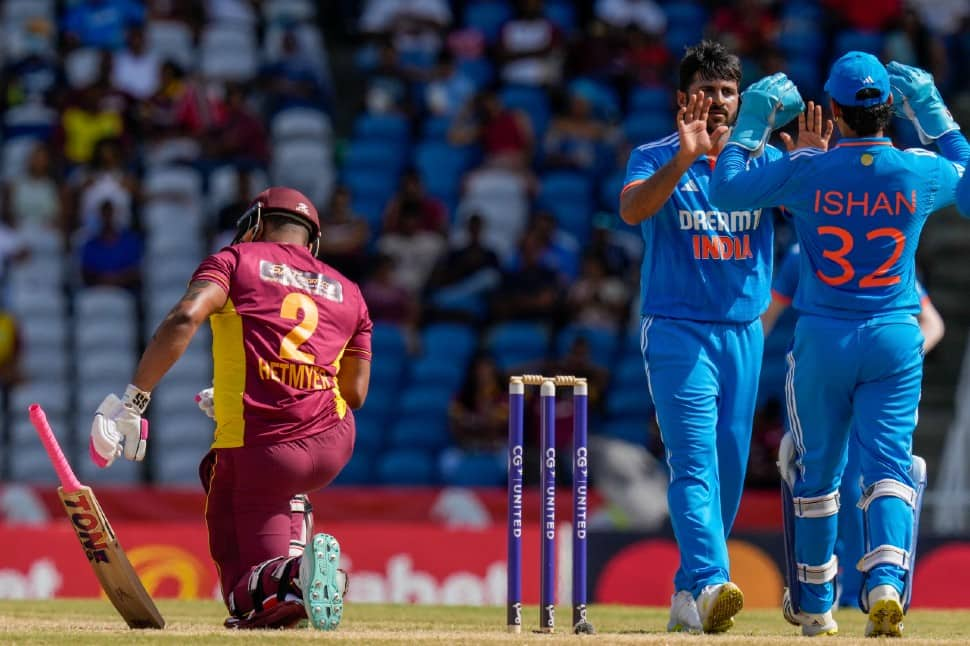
x=303, y=330
x=878, y=278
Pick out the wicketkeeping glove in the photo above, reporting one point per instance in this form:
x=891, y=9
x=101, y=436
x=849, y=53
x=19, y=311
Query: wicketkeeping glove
x=204, y=398
x=766, y=105
x=916, y=98
x=119, y=427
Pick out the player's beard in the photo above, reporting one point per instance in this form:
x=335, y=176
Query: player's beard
x=725, y=119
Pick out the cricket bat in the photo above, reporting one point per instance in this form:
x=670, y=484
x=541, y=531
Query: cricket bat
x=118, y=579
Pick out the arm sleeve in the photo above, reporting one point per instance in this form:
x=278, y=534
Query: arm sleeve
x=924, y=298
x=963, y=195
x=953, y=146
x=360, y=343
x=736, y=186
x=953, y=187
x=218, y=268
x=641, y=166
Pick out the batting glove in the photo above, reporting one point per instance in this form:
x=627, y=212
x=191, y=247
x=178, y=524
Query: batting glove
x=204, y=398
x=766, y=105
x=119, y=427
x=916, y=98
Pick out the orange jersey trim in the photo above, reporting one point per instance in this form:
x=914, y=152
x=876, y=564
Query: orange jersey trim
x=214, y=278
x=781, y=298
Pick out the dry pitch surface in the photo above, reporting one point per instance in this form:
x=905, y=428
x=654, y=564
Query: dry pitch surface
x=200, y=622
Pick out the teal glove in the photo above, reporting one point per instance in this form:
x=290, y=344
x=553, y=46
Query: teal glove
x=916, y=98
x=766, y=105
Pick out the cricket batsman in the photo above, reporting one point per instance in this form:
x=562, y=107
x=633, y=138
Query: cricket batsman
x=291, y=347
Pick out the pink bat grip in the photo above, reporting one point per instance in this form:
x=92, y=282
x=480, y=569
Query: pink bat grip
x=69, y=481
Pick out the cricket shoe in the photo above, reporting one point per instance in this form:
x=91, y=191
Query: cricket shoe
x=813, y=625
x=274, y=615
x=683, y=614
x=323, y=582
x=717, y=605
x=885, y=613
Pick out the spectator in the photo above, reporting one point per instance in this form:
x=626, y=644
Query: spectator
x=596, y=299
x=106, y=179
x=10, y=351
x=478, y=416
x=646, y=60
x=872, y=15
x=86, y=122
x=531, y=291
x=136, y=68
x=240, y=136
x=746, y=27
x=200, y=108
x=36, y=75
x=344, y=236
x=34, y=199
x=100, y=23
x=112, y=256
x=464, y=278
x=229, y=213
x=414, y=251
x=159, y=114
x=575, y=137
x=294, y=78
x=636, y=15
x=505, y=135
x=449, y=89
x=560, y=251
x=530, y=48
x=386, y=299
x=908, y=41
x=432, y=213
x=388, y=87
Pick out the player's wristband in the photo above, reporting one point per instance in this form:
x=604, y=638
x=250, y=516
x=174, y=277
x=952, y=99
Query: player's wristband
x=136, y=399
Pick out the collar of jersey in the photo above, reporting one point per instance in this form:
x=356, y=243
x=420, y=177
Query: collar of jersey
x=865, y=141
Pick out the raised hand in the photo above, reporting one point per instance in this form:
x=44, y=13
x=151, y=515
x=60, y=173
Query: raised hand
x=695, y=140
x=813, y=130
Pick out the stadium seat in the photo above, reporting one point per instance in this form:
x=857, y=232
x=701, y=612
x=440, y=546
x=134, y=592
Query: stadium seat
x=534, y=101
x=406, y=467
x=479, y=70
x=449, y=339
x=853, y=39
x=428, y=432
x=630, y=402
x=473, y=469
x=650, y=99
x=561, y=13
x=44, y=363
x=380, y=404
x=22, y=431
x=435, y=129
x=171, y=40
x=375, y=155
x=29, y=464
x=15, y=153
x=53, y=395
x=301, y=123
x=99, y=335
x=370, y=436
x=602, y=343
x=630, y=373
x=177, y=465
x=179, y=184
x=487, y=17
x=442, y=166
x=29, y=120
x=104, y=303
x=359, y=471
x=529, y=339
x=392, y=129
x=644, y=127
x=49, y=333
x=185, y=428
x=289, y=11
x=438, y=370
x=122, y=471
x=388, y=339
x=385, y=371
x=427, y=399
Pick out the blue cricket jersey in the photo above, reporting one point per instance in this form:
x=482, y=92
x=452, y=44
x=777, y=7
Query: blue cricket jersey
x=785, y=281
x=701, y=262
x=859, y=209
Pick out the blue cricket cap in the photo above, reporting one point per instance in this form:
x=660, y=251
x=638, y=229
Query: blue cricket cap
x=857, y=71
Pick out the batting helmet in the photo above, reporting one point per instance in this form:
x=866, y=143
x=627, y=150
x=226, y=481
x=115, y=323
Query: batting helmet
x=287, y=202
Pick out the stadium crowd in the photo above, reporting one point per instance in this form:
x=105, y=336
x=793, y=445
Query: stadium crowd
x=470, y=186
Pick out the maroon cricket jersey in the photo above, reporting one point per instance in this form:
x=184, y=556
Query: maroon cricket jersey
x=278, y=341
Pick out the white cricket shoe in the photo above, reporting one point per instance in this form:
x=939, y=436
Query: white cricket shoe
x=813, y=625
x=717, y=605
x=885, y=613
x=683, y=614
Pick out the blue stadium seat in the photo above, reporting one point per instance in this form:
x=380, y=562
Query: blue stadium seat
x=803, y=39
x=562, y=13
x=650, y=99
x=371, y=208
x=392, y=129
x=428, y=432
x=644, y=127
x=474, y=470
x=435, y=128
x=370, y=435
x=442, y=166
x=630, y=429
x=377, y=183
x=534, y=101
x=630, y=373
x=487, y=16
x=854, y=39
x=602, y=343
x=375, y=154
x=388, y=339
x=430, y=399
x=630, y=402
x=385, y=371
x=359, y=471
x=379, y=405
x=525, y=336
x=479, y=70
x=610, y=189
x=804, y=72
x=568, y=196
x=684, y=14
x=449, y=339
x=438, y=370
x=406, y=467
x=683, y=35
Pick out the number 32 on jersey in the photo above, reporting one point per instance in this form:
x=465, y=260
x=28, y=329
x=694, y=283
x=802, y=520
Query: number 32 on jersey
x=878, y=278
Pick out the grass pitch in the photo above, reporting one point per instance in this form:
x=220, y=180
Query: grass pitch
x=200, y=622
